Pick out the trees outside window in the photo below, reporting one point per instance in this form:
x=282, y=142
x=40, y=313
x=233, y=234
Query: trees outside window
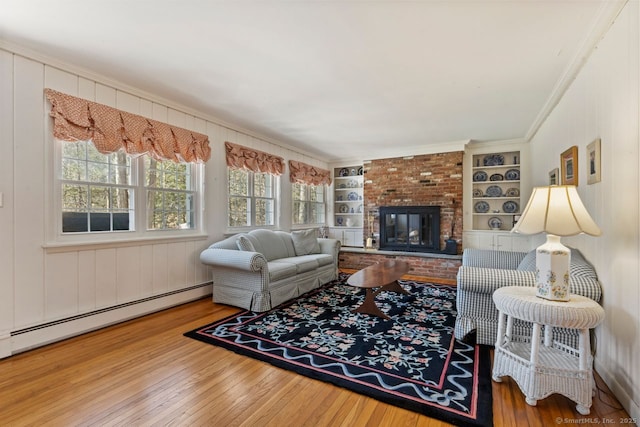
x=100, y=192
x=251, y=199
x=308, y=204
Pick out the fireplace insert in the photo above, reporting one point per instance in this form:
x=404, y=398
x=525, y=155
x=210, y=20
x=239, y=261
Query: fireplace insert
x=410, y=228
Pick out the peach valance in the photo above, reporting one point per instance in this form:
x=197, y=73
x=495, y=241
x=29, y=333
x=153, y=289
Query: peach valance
x=303, y=173
x=239, y=157
x=110, y=129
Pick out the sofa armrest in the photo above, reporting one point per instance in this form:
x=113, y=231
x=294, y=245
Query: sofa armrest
x=487, y=280
x=329, y=246
x=488, y=258
x=241, y=260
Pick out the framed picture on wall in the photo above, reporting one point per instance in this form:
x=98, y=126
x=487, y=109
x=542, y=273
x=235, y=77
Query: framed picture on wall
x=593, y=162
x=569, y=166
x=554, y=176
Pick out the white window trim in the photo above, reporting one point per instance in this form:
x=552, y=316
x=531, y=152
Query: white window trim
x=310, y=225
x=55, y=238
x=277, y=201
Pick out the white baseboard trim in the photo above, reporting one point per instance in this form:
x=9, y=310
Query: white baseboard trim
x=621, y=393
x=5, y=344
x=37, y=336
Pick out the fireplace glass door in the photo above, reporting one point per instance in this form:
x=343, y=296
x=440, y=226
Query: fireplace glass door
x=410, y=228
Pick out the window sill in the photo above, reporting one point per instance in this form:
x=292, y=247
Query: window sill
x=71, y=246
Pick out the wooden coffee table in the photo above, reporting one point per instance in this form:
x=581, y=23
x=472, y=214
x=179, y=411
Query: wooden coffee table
x=383, y=276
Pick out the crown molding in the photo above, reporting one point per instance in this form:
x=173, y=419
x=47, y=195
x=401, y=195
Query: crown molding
x=609, y=11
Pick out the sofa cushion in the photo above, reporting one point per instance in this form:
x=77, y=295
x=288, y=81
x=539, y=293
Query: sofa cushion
x=323, y=259
x=269, y=243
x=281, y=270
x=302, y=263
x=244, y=244
x=305, y=242
x=528, y=263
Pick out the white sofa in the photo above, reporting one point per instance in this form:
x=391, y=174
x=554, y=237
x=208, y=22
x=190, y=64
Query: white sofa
x=263, y=268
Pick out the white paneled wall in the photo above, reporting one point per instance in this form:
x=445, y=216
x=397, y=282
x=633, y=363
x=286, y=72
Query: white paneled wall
x=41, y=283
x=603, y=102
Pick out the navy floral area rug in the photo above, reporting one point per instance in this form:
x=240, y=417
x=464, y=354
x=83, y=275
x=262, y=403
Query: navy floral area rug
x=411, y=361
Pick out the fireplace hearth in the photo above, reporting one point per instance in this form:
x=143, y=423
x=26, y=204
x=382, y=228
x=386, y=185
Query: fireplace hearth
x=410, y=228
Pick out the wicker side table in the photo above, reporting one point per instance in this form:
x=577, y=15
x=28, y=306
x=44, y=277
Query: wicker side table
x=542, y=367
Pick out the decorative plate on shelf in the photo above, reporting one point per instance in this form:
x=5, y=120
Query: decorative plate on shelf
x=343, y=209
x=493, y=160
x=512, y=192
x=512, y=175
x=360, y=171
x=480, y=176
x=477, y=192
x=510, y=207
x=494, y=191
x=344, y=172
x=495, y=222
x=352, y=196
x=481, y=207
x=496, y=177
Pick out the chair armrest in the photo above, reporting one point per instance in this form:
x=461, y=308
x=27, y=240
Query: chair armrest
x=241, y=260
x=487, y=280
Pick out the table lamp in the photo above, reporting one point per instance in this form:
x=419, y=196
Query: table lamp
x=558, y=211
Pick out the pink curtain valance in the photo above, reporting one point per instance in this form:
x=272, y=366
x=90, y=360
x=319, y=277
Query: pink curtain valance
x=239, y=157
x=110, y=129
x=303, y=173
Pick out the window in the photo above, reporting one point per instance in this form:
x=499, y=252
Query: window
x=251, y=198
x=102, y=192
x=308, y=204
x=170, y=195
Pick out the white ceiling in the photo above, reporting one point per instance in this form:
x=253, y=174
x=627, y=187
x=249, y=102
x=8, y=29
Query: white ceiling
x=335, y=79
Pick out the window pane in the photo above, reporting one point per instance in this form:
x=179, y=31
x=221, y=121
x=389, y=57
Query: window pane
x=75, y=222
x=317, y=213
x=298, y=191
x=98, y=172
x=74, y=150
x=264, y=212
x=99, y=198
x=238, y=182
x=74, y=170
x=239, y=212
x=262, y=185
x=120, y=199
x=317, y=193
x=299, y=212
x=74, y=197
x=152, y=176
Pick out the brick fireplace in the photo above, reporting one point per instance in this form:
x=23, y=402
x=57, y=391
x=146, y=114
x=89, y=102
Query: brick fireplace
x=424, y=180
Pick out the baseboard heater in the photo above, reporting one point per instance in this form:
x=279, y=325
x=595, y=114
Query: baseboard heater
x=35, y=336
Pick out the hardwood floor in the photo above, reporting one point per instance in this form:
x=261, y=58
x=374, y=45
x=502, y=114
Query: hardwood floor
x=144, y=372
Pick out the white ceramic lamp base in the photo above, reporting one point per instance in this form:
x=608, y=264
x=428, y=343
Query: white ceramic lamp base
x=552, y=270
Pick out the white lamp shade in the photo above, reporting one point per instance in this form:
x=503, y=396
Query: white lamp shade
x=557, y=210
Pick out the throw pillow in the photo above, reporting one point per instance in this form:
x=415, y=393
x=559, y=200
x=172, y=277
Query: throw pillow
x=244, y=244
x=528, y=263
x=305, y=242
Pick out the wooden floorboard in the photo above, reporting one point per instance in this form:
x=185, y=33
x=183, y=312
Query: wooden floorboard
x=145, y=372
